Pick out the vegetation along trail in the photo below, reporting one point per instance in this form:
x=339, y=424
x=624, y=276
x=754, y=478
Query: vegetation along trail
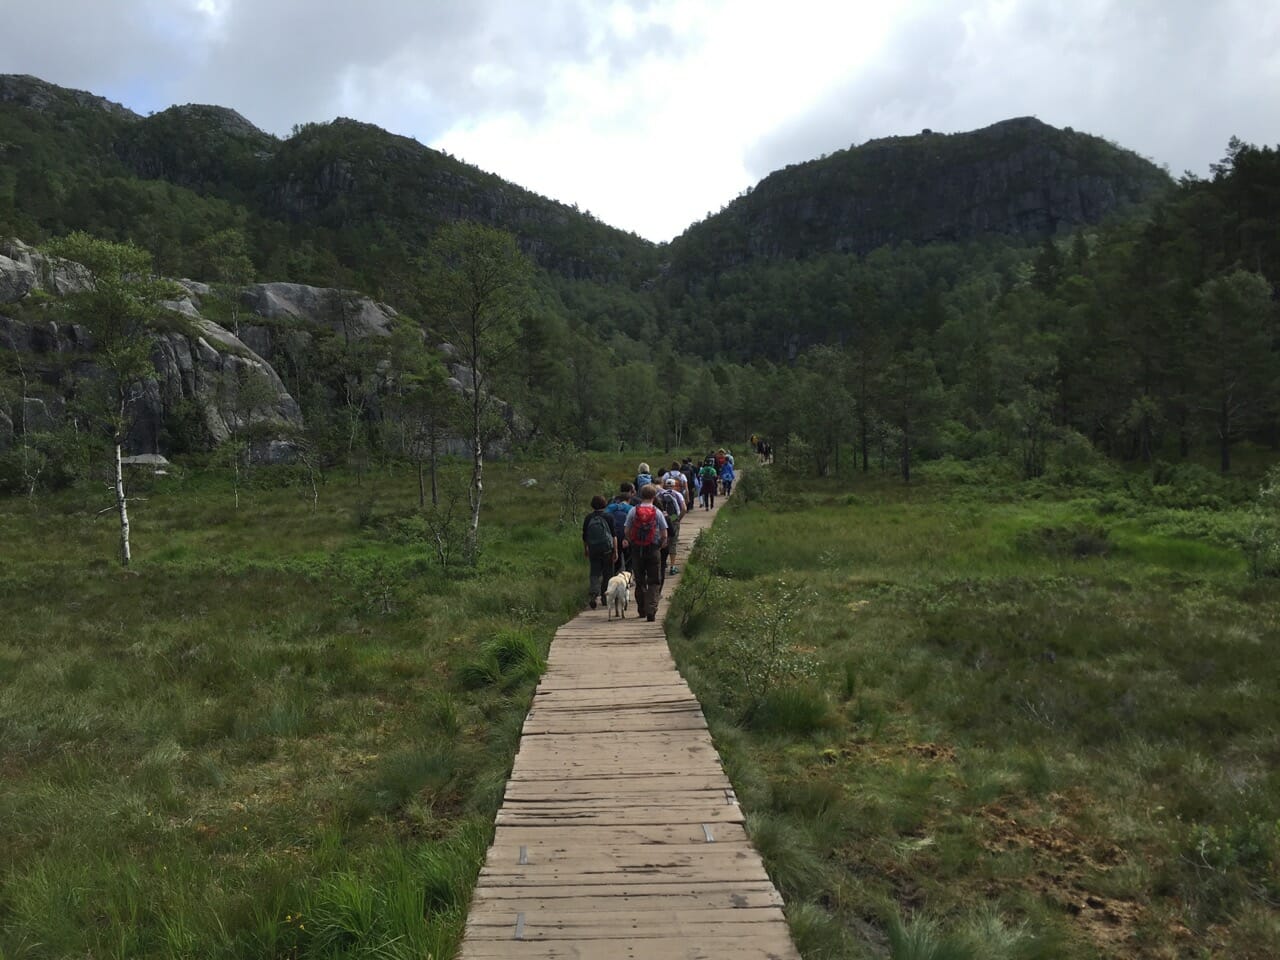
x=619, y=834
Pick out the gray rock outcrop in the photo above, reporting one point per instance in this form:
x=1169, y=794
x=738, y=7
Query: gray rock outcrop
x=53, y=275
x=16, y=280
x=344, y=311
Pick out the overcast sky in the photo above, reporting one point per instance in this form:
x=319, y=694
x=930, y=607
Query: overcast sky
x=651, y=113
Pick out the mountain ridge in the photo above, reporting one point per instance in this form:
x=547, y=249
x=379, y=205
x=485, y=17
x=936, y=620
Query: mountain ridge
x=1016, y=177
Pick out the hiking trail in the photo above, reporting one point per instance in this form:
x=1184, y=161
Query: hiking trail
x=619, y=836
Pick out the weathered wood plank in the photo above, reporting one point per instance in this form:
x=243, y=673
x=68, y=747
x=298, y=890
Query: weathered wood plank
x=750, y=945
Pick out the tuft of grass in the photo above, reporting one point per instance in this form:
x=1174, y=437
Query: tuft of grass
x=794, y=710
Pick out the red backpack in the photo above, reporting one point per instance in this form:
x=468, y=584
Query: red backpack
x=644, y=527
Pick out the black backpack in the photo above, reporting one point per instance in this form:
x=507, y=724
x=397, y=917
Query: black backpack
x=599, y=533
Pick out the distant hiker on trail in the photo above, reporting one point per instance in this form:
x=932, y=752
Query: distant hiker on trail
x=618, y=509
x=707, y=476
x=690, y=481
x=646, y=532
x=727, y=475
x=673, y=507
x=681, y=484
x=600, y=547
x=643, y=477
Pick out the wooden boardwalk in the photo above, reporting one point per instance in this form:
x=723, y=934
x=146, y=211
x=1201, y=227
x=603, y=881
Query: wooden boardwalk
x=619, y=837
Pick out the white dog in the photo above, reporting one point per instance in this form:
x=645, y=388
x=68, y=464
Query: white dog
x=618, y=594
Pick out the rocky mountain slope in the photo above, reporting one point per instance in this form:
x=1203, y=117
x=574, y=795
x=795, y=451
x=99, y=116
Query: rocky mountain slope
x=1018, y=178
x=63, y=152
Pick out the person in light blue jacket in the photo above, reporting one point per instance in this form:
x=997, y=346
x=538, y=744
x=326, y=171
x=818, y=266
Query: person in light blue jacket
x=726, y=476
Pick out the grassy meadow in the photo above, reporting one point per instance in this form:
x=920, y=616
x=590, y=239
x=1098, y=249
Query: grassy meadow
x=973, y=718
x=282, y=732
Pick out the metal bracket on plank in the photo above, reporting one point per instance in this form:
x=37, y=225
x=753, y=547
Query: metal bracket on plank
x=524, y=858
x=519, y=927
x=706, y=832
x=729, y=795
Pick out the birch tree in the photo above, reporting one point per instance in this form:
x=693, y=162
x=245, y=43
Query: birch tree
x=479, y=284
x=117, y=309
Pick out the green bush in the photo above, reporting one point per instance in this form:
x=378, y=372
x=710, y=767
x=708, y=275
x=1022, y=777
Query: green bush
x=1065, y=542
x=753, y=486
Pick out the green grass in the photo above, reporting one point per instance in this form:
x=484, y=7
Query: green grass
x=1039, y=725
x=261, y=741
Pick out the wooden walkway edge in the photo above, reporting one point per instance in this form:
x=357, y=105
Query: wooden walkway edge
x=619, y=836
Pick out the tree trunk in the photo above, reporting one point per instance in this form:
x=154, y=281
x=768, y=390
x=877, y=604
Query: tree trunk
x=122, y=505
x=477, y=468
x=862, y=429
x=906, y=452
x=435, y=492
x=1224, y=438
x=422, y=491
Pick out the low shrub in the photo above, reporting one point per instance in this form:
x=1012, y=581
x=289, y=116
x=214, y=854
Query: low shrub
x=1076, y=542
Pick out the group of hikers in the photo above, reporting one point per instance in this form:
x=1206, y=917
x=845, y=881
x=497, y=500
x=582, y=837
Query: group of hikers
x=639, y=528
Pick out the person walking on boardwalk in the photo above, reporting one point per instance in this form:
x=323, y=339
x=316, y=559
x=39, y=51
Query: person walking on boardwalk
x=646, y=532
x=671, y=500
x=600, y=547
x=690, y=480
x=708, y=477
x=617, y=510
x=727, y=476
x=643, y=477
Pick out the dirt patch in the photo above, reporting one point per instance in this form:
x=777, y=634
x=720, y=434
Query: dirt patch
x=1066, y=861
x=933, y=751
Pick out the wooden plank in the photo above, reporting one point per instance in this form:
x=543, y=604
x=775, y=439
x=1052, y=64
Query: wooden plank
x=750, y=945
x=613, y=818
x=611, y=924
x=762, y=895
x=512, y=838
x=727, y=859
x=627, y=889
x=642, y=790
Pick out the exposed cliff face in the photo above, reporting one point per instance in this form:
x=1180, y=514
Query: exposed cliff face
x=44, y=97
x=346, y=174
x=200, y=366
x=1020, y=178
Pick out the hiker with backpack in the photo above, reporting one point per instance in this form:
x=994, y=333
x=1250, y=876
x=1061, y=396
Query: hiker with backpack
x=708, y=477
x=727, y=475
x=600, y=547
x=643, y=477
x=617, y=510
x=646, y=534
x=673, y=508
x=690, y=474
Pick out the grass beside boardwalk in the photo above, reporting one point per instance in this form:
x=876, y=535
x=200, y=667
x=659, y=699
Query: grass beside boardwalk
x=280, y=733
x=1006, y=721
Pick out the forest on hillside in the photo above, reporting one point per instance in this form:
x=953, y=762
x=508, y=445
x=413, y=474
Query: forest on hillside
x=1149, y=336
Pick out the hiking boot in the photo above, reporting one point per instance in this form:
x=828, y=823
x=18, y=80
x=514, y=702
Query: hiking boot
x=592, y=603
x=652, y=617
x=674, y=570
